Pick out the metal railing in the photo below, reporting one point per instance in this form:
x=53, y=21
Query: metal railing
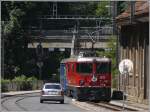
x=84, y=17
x=68, y=33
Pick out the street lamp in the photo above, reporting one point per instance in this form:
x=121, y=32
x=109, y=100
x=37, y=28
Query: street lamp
x=39, y=51
x=125, y=67
x=73, y=40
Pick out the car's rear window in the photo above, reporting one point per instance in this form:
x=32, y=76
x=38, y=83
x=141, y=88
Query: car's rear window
x=52, y=87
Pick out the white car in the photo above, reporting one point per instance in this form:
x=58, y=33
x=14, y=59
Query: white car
x=52, y=92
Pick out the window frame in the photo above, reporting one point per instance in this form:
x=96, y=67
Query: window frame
x=84, y=63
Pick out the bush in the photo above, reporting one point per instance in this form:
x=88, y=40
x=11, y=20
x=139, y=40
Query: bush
x=4, y=85
x=32, y=83
x=21, y=82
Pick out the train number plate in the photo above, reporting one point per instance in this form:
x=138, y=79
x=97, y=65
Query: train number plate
x=102, y=77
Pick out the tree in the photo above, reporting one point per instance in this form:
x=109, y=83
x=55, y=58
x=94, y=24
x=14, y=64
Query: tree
x=14, y=36
x=102, y=10
x=121, y=6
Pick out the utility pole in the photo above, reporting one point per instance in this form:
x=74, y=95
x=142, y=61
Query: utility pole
x=2, y=51
x=73, y=40
x=55, y=9
x=39, y=52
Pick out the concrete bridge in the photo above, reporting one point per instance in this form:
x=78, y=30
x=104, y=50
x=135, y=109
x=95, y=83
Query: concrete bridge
x=64, y=38
x=66, y=42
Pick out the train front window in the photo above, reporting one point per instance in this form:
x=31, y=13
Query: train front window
x=102, y=68
x=84, y=67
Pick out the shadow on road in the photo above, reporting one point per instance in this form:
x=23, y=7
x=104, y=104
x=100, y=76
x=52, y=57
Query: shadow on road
x=51, y=102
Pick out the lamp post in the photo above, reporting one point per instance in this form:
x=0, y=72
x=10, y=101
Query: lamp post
x=73, y=41
x=2, y=50
x=39, y=52
x=124, y=78
x=125, y=67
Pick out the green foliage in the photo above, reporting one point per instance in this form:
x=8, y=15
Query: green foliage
x=17, y=17
x=122, y=6
x=32, y=83
x=14, y=23
x=21, y=82
x=4, y=83
x=21, y=78
x=81, y=8
x=25, y=83
x=31, y=79
x=102, y=10
x=14, y=17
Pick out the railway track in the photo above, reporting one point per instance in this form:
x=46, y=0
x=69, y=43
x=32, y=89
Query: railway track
x=6, y=100
x=101, y=106
x=111, y=106
x=17, y=105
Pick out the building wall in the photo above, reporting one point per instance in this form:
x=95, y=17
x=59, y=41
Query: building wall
x=134, y=43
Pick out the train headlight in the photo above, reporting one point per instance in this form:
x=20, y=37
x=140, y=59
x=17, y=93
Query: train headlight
x=81, y=82
x=94, y=79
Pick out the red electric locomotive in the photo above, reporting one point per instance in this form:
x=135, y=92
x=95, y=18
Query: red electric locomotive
x=87, y=78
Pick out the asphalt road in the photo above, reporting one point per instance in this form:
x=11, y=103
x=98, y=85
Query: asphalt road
x=31, y=102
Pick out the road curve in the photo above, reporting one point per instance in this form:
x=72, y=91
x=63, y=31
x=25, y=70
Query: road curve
x=31, y=102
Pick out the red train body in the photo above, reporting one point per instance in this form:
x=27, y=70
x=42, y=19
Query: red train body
x=88, y=78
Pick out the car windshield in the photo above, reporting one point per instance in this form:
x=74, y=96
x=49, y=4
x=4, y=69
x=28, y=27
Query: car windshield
x=52, y=87
x=84, y=67
x=102, y=68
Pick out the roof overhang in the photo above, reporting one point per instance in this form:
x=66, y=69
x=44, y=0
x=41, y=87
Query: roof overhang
x=135, y=20
x=140, y=15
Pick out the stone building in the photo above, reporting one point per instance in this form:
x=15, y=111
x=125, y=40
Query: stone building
x=134, y=45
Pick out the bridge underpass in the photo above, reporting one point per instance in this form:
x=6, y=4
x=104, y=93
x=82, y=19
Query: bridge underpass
x=64, y=38
x=66, y=42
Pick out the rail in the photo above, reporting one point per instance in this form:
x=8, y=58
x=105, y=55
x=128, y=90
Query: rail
x=17, y=101
x=111, y=106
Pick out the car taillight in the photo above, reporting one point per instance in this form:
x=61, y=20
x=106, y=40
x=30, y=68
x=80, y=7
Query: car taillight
x=62, y=93
x=42, y=92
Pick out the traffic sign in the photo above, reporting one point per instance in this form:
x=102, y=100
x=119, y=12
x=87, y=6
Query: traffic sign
x=125, y=66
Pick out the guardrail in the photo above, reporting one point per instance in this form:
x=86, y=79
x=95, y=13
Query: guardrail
x=101, y=32
x=90, y=17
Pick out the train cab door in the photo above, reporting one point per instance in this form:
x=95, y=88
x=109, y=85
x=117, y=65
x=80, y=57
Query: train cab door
x=63, y=75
